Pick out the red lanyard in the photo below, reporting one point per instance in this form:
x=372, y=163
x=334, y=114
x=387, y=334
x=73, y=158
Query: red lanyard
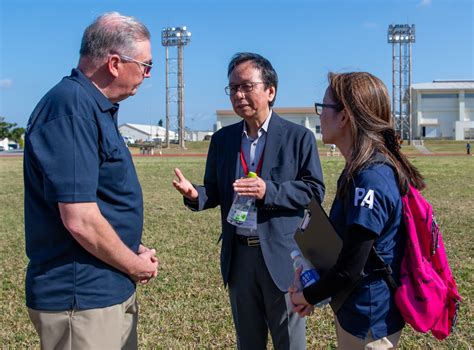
x=244, y=163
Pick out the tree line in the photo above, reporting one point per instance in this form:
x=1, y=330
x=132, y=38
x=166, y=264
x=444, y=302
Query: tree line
x=10, y=131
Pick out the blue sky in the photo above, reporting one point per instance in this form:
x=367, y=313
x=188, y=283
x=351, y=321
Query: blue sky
x=304, y=40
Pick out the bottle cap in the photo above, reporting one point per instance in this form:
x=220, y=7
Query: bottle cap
x=295, y=253
x=251, y=174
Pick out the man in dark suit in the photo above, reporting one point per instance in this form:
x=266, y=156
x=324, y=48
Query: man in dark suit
x=255, y=257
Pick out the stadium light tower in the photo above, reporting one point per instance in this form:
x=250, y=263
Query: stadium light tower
x=180, y=37
x=401, y=36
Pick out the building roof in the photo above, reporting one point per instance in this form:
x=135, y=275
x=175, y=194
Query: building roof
x=149, y=130
x=280, y=110
x=445, y=85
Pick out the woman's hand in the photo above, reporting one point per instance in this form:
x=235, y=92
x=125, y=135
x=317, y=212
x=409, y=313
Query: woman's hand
x=300, y=305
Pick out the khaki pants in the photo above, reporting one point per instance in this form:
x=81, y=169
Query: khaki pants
x=113, y=327
x=347, y=341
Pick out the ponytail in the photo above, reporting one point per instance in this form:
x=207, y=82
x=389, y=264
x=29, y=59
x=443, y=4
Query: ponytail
x=392, y=141
x=407, y=173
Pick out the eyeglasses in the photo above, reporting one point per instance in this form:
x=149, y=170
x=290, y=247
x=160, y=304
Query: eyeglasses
x=231, y=90
x=147, y=66
x=318, y=107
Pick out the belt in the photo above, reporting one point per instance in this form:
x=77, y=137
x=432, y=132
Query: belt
x=251, y=241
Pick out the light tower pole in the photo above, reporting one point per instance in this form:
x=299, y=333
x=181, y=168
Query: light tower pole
x=401, y=36
x=175, y=36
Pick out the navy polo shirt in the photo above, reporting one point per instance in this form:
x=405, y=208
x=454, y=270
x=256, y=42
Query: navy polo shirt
x=75, y=153
x=373, y=202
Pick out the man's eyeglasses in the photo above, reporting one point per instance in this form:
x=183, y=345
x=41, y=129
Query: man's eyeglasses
x=318, y=107
x=231, y=90
x=147, y=65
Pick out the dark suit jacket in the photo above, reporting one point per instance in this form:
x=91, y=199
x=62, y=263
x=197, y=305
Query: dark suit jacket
x=292, y=173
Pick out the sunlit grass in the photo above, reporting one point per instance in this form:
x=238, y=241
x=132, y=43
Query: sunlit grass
x=187, y=306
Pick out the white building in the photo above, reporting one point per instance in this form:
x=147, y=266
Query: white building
x=198, y=135
x=443, y=109
x=143, y=132
x=305, y=116
x=4, y=143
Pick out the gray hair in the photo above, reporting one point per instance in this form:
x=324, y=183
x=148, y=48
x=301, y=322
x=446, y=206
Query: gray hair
x=112, y=33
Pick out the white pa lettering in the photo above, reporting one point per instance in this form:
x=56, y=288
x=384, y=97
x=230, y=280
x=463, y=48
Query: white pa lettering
x=364, y=198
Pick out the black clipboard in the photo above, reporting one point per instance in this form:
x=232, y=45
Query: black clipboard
x=320, y=244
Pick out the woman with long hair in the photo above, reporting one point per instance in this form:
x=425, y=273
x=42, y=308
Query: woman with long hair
x=367, y=211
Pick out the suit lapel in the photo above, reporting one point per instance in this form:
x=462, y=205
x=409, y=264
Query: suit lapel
x=232, y=156
x=272, y=145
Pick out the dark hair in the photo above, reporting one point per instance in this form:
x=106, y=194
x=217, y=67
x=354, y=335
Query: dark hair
x=112, y=32
x=268, y=74
x=367, y=103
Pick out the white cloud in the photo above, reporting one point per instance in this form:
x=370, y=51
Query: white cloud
x=6, y=83
x=424, y=3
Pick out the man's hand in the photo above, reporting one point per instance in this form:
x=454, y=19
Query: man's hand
x=142, y=249
x=93, y=232
x=252, y=187
x=184, y=187
x=141, y=253
x=148, y=267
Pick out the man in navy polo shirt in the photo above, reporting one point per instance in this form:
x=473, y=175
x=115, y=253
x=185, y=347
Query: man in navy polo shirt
x=83, y=201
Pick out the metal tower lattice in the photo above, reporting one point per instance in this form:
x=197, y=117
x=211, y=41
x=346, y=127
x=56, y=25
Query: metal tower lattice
x=401, y=36
x=179, y=37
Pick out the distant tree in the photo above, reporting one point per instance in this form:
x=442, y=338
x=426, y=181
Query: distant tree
x=16, y=134
x=160, y=123
x=9, y=130
x=5, y=128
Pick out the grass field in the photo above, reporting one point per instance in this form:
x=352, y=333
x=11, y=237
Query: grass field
x=187, y=306
x=434, y=146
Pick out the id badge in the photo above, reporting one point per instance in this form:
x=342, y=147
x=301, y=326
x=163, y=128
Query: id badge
x=251, y=222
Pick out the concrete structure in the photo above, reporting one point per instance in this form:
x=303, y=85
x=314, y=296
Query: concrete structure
x=305, y=116
x=143, y=132
x=443, y=109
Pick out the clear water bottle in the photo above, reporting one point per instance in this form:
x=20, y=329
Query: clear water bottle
x=240, y=207
x=308, y=276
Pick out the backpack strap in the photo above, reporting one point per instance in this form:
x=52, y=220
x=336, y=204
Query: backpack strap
x=383, y=269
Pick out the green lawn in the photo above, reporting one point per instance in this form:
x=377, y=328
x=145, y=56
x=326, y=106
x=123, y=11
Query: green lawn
x=187, y=306
x=434, y=146
x=195, y=147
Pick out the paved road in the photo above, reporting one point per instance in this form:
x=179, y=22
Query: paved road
x=11, y=153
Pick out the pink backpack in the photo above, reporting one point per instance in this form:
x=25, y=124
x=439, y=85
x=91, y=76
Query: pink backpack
x=427, y=296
